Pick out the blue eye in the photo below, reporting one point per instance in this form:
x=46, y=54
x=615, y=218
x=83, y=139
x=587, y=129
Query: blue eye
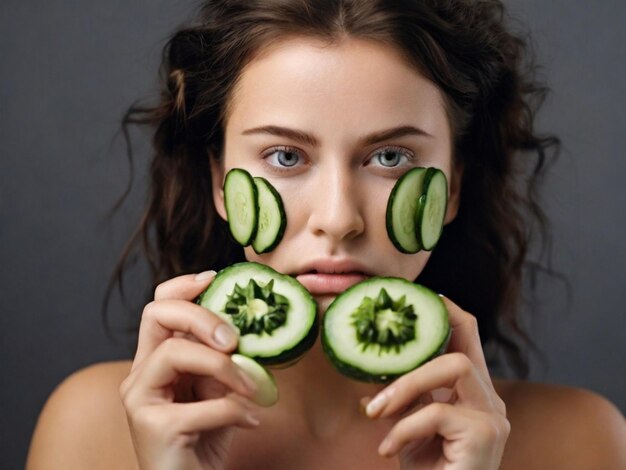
x=391, y=157
x=285, y=158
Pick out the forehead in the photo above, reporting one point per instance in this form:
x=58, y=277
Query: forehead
x=353, y=83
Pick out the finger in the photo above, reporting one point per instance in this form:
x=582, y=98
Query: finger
x=205, y=388
x=451, y=371
x=186, y=287
x=478, y=429
x=176, y=357
x=160, y=319
x=211, y=414
x=465, y=337
x=421, y=401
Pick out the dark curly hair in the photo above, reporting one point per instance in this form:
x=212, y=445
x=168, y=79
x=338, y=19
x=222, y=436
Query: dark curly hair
x=488, y=79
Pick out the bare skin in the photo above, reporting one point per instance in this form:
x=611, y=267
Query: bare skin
x=84, y=426
x=182, y=404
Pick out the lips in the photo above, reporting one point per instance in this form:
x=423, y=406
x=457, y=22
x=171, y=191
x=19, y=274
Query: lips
x=332, y=277
x=321, y=283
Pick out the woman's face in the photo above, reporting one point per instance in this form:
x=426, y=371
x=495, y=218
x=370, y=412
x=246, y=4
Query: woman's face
x=333, y=128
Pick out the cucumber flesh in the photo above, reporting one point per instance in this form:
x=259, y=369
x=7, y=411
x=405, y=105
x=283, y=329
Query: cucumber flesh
x=384, y=327
x=272, y=218
x=266, y=392
x=431, y=209
x=275, y=315
x=401, y=210
x=241, y=202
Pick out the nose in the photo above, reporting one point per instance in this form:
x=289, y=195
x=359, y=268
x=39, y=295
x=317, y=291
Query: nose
x=336, y=210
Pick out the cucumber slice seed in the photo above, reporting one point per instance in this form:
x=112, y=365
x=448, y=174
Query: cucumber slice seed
x=384, y=323
x=431, y=208
x=241, y=202
x=257, y=309
x=283, y=343
x=266, y=391
x=401, y=209
x=272, y=217
x=409, y=337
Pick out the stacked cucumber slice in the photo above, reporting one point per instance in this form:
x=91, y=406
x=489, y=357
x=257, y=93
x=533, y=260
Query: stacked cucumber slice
x=242, y=206
x=384, y=327
x=254, y=210
x=416, y=209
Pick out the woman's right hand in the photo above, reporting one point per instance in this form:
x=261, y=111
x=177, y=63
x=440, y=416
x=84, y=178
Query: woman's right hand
x=184, y=395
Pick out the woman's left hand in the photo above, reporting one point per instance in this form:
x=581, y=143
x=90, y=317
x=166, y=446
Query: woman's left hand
x=465, y=432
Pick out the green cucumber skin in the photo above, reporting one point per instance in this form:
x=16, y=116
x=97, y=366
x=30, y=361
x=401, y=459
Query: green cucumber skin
x=295, y=352
x=255, y=204
x=359, y=374
x=364, y=376
x=419, y=216
x=283, y=219
x=291, y=356
x=421, y=206
x=389, y=214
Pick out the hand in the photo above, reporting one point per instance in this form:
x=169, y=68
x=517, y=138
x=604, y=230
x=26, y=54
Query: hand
x=184, y=395
x=468, y=430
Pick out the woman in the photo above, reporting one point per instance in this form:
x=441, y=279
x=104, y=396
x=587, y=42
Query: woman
x=332, y=102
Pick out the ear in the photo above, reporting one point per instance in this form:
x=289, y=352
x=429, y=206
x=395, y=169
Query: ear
x=217, y=183
x=454, y=198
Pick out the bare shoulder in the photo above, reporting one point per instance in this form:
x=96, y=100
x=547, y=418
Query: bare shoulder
x=83, y=424
x=555, y=426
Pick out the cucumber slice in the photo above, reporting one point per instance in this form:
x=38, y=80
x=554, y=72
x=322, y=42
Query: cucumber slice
x=266, y=393
x=431, y=208
x=384, y=327
x=241, y=201
x=275, y=315
x=272, y=218
x=401, y=210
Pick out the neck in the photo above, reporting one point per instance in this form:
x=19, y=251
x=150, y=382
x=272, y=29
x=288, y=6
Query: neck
x=327, y=401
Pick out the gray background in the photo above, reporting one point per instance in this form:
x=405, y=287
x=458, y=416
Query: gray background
x=69, y=69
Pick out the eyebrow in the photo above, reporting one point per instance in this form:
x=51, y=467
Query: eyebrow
x=394, y=133
x=303, y=137
x=292, y=134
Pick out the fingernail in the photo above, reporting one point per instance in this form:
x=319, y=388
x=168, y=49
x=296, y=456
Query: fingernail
x=252, y=419
x=205, y=275
x=363, y=404
x=385, y=446
x=377, y=404
x=224, y=335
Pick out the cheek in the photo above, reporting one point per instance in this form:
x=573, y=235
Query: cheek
x=406, y=266
x=418, y=263
x=390, y=260
x=297, y=201
x=252, y=256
